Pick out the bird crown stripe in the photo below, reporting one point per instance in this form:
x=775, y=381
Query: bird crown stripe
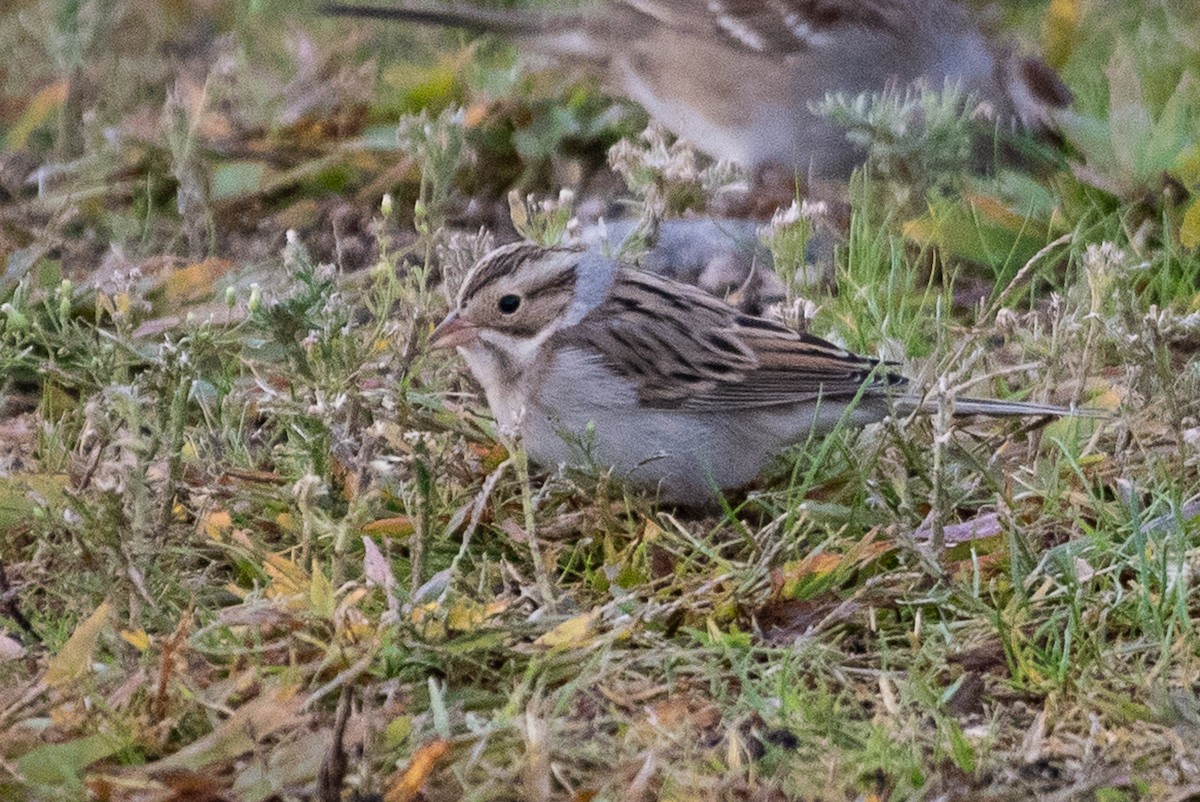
x=499, y=264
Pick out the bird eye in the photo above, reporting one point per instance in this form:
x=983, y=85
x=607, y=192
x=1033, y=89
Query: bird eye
x=509, y=304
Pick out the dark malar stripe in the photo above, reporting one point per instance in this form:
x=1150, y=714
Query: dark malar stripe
x=501, y=357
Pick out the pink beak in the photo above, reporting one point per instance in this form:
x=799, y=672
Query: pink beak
x=452, y=332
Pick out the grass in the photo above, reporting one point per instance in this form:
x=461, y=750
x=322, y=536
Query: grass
x=257, y=542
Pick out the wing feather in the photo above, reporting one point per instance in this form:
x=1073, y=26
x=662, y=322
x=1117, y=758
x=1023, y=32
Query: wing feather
x=772, y=26
x=710, y=356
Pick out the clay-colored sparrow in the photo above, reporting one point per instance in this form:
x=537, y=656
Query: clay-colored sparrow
x=736, y=77
x=600, y=365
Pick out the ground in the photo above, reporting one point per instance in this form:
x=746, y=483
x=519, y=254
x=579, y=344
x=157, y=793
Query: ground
x=257, y=542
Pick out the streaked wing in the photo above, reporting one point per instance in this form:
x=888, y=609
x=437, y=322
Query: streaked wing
x=772, y=26
x=708, y=356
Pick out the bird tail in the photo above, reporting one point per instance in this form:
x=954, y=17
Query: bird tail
x=555, y=34
x=480, y=20
x=963, y=407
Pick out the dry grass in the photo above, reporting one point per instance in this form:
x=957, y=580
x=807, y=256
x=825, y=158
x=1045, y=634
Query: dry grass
x=259, y=544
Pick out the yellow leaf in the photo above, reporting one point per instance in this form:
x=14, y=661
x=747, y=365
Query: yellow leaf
x=921, y=230
x=651, y=532
x=497, y=607
x=399, y=526
x=44, y=104
x=1187, y=166
x=352, y=599
x=490, y=456
x=518, y=211
x=194, y=282
x=425, y=616
x=1189, y=229
x=287, y=578
x=71, y=662
x=397, y=731
x=992, y=209
x=320, y=593
x=137, y=638
x=407, y=786
x=819, y=564
x=465, y=615
x=1060, y=29
x=216, y=524
x=573, y=632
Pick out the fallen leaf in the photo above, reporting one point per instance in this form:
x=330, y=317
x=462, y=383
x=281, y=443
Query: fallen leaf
x=60, y=765
x=399, y=526
x=73, y=660
x=292, y=765
x=216, y=524
x=980, y=527
x=287, y=578
x=136, y=638
x=10, y=649
x=40, y=108
x=407, y=786
x=22, y=495
x=575, y=631
x=376, y=567
x=274, y=710
x=194, y=282
x=320, y=593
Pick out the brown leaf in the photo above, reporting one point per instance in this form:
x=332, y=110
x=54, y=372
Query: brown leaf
x=274, y=710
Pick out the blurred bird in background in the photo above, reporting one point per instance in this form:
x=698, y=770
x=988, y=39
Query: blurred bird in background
x=737, y=78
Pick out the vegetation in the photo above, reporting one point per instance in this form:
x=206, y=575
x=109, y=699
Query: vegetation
x=256, y=543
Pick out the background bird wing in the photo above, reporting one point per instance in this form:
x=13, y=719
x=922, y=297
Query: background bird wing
x=779, y=27
x=770, y=26
x=705, y=355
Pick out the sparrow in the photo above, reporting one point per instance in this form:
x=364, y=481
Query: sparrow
x=722, y=256
x=601, y=366
x=737, y=78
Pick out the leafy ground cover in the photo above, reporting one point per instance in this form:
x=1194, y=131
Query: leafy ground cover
x=257, y=543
